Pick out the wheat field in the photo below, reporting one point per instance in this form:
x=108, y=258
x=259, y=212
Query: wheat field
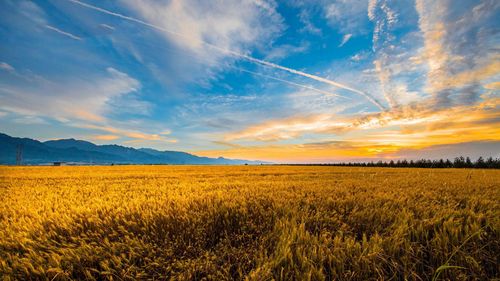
x=248, y=223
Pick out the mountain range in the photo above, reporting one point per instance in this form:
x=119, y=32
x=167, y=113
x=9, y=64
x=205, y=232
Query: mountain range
x=74, y=151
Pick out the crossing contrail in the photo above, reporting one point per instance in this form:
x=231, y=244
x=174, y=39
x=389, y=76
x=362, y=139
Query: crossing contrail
x=292, y=83
x=236, y=54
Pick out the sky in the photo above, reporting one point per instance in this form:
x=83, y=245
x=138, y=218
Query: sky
x=297, y=81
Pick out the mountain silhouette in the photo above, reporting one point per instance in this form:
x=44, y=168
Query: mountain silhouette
x=83, y=152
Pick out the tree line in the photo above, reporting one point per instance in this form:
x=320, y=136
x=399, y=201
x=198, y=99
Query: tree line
x=458, y=162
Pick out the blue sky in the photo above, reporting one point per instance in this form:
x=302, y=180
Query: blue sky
x=286, y=81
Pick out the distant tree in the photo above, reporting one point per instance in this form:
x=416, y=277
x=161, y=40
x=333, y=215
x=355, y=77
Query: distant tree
x=490, y=163
x=468, y=162
x=458, y=162
x=480, y=163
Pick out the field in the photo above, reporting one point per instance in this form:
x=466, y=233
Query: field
x=248, y=222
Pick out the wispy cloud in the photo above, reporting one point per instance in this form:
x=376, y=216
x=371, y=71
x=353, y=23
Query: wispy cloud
x=227, y=24
x=72, y=36
x=346, y=38
x=30, y=120
x=286, y=50
x=145, y=142
x=305, y=19
x=455, y=68
x=105, y=137
x=286, y=128
x=116, y=133
x=367, y=136
x=7, y=67
x=429, y=77
x=293, y=83
x=418, y=116
x=348, y=16
x=75, y=98
x=317, y=78
x=107, y=26
x=384, y=76
x=198, y=42
x=385, y=18
x=372, y=5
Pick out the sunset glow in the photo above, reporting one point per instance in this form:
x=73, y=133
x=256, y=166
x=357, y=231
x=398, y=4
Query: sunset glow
x=281, y=81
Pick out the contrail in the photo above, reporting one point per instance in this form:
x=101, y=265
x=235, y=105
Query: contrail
x=236, y=54
x=63, y=32
x=292, y=83
x=314, y=77
x=199, y=58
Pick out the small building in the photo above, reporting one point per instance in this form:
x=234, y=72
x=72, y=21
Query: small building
x=58, y=163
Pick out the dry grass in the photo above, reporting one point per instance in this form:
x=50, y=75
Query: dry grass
x=255, y=223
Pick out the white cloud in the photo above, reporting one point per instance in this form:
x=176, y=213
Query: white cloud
x=385, y=17
x=32, y=12
x=7, y=67
x=372, y=5
x=348, y=16
x=107, y=26
x=129, y=104
x=283, y=51
x=29, y=120
x=83, y=98
x=346, y=38
x=305, y=19
x=392, y=63
x=311, y=102
x=231, y=25
x=359, y=56
x=459, y=47
x=384, y=75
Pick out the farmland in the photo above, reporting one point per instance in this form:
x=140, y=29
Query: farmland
x=248, y=222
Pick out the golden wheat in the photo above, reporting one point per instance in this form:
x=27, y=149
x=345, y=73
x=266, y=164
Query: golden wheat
x=248, y=222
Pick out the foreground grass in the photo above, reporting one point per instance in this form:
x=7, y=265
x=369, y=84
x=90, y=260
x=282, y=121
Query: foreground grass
x=255, y=223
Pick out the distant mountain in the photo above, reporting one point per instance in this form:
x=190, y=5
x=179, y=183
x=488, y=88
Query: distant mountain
x=69, y=143
x=84, y=152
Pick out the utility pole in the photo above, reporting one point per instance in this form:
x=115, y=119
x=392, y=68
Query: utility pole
x=19, y=154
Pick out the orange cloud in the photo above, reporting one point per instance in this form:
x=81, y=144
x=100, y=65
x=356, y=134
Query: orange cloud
x=447, y=68
x=366, y=136
x=288, y=128
x=85, y=115
x=130, y=134
x=492, y=86
x=469, y=76
x=403, y=117
x=302, y=153
x=142, y=136
x=105, y=137
x=148, y=141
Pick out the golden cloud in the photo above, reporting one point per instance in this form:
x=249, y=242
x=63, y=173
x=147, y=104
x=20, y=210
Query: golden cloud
x=105, y=137
x=369, y=135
